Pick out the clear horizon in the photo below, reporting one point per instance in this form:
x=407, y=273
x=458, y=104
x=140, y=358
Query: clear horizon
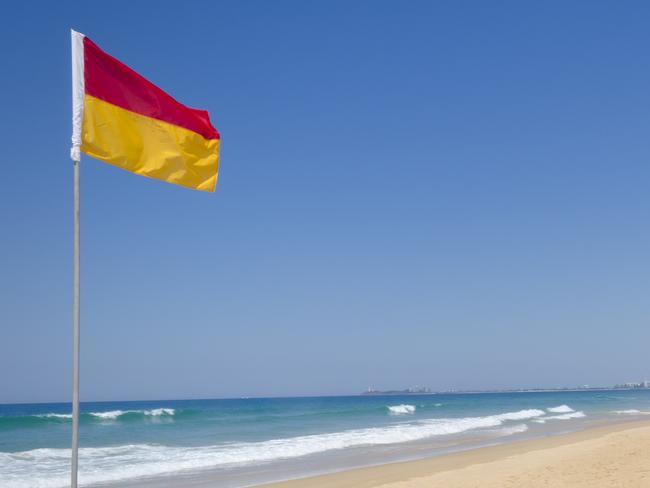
x=396, y=392
x=453, y=195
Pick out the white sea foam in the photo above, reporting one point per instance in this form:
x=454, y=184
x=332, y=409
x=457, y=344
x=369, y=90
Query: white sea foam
x=110, y=415
x=560, y=409
x=114, y=414
x=630, y=412
x=401, y=409
x=157, y=412
x=515, y=429
x=55, y=415
x=565, y=416
x=49, y=468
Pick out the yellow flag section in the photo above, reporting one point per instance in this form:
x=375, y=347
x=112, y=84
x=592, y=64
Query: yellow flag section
x=125, y=120
x=148, y=146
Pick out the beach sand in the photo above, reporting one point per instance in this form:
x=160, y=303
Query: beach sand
x=608, y=456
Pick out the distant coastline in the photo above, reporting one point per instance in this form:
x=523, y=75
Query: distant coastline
x=643, y=385
x=408, y=391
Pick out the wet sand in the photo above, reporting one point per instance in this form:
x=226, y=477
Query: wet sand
x=609, y=456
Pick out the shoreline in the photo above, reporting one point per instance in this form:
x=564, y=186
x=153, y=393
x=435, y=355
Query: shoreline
x=383, y=444
x=601, y=456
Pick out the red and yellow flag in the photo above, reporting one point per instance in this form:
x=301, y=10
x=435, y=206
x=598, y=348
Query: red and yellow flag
x=125, y=120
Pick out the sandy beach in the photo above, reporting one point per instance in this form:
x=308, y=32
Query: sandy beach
x=609, y=456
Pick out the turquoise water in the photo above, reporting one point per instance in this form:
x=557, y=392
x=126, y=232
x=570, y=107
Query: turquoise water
x=245, y=441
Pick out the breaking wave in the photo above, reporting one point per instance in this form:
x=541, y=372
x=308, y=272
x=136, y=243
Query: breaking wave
x=401, y=409
x=113, y=415
x=115, y=463
x=630, y=412
x=560, y=409
x=515, y=429
x=565, y=416
x=54, y=415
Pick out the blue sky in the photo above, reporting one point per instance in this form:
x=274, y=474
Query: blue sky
x=451, y=194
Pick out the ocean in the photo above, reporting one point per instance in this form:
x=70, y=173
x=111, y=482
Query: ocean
x=243, y=442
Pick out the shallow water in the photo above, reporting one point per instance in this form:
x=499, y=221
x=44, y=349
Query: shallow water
x=244, y=441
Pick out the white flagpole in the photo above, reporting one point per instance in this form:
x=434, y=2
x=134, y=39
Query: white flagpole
x=76, y=345
x=75, y=154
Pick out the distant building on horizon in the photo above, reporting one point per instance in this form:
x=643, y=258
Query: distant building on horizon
x=633, y=386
